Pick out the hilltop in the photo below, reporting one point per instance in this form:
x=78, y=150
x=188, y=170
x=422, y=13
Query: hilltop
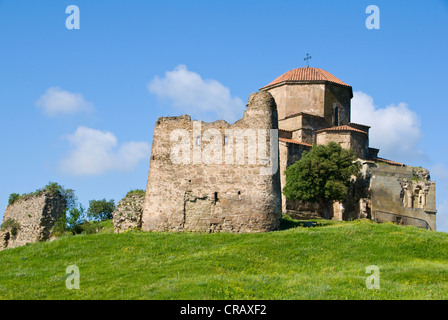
x=323, y=262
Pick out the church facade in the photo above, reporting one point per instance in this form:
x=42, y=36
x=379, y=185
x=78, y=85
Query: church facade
x=314, y=108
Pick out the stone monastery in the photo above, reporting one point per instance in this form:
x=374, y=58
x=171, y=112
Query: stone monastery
x=308, y=106
x=221, y=177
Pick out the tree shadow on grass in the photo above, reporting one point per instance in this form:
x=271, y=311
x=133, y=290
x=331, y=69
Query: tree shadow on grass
x=288, y=223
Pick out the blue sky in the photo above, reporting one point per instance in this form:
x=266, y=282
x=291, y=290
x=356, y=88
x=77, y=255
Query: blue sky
x=79, y=106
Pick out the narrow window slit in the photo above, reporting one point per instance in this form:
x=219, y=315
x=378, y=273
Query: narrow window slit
x=216, y=198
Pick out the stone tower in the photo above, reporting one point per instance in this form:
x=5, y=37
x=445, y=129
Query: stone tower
x=214, y=177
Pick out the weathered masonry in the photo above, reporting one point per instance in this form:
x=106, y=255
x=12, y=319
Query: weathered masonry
x=30, y=219
x=403, y=195
x=214, y=177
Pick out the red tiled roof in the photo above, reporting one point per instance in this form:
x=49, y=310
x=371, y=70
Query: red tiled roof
x=295, y=142
x=362, y=125
x=388, y=161
x=307, y=75
x=342, y=128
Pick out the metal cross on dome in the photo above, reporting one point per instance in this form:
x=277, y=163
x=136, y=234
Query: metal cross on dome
x=307, y=58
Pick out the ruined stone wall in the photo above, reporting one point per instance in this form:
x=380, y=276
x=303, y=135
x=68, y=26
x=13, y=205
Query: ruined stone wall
x=128, y=213
x=403, y=195
x=289, y=153
x=383, y=193
x=35, y=217
x=216, y=187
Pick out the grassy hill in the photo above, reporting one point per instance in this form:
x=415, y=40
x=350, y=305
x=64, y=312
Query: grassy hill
x=324, y=262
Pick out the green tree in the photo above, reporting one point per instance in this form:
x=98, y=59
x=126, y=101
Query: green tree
x=70, y=221
x=322, y=175
x=75, y=218
x=101, y=209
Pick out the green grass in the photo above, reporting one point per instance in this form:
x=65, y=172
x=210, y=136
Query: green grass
x=324, y=262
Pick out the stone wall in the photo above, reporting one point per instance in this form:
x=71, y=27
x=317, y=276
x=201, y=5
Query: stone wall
x=216, y=187
x=337, y=98
x=383, y=193
x=295, y=98
x=35, y=217
x=356, y=141
x=303, y=126
x=290, y=153
x=403, y=195
x=128, y=214
x=320, y=99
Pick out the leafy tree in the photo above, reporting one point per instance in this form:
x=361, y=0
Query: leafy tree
x=72, y=221
x=75, y=218
x=322, y=175
x=68, y=194
x=101, y=209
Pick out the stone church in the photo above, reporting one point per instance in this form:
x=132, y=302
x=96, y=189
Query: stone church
x=308, y=106
x=314, y=108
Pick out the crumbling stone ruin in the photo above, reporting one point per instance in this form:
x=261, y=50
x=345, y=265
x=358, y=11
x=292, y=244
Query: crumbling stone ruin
x=214, y=177
x=30, y=219
x=308, y=106
x=128, y=213
x=403, y=195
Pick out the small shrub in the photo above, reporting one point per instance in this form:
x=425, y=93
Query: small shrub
x=60, y=225
x=137, y=192
x=12, y=225
x=13, y=197
x=93, y=227
x=90, y=227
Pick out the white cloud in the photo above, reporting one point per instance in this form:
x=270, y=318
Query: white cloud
x=95, y=152
x=191, y=94
x=395, y=129
x=56, y=101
